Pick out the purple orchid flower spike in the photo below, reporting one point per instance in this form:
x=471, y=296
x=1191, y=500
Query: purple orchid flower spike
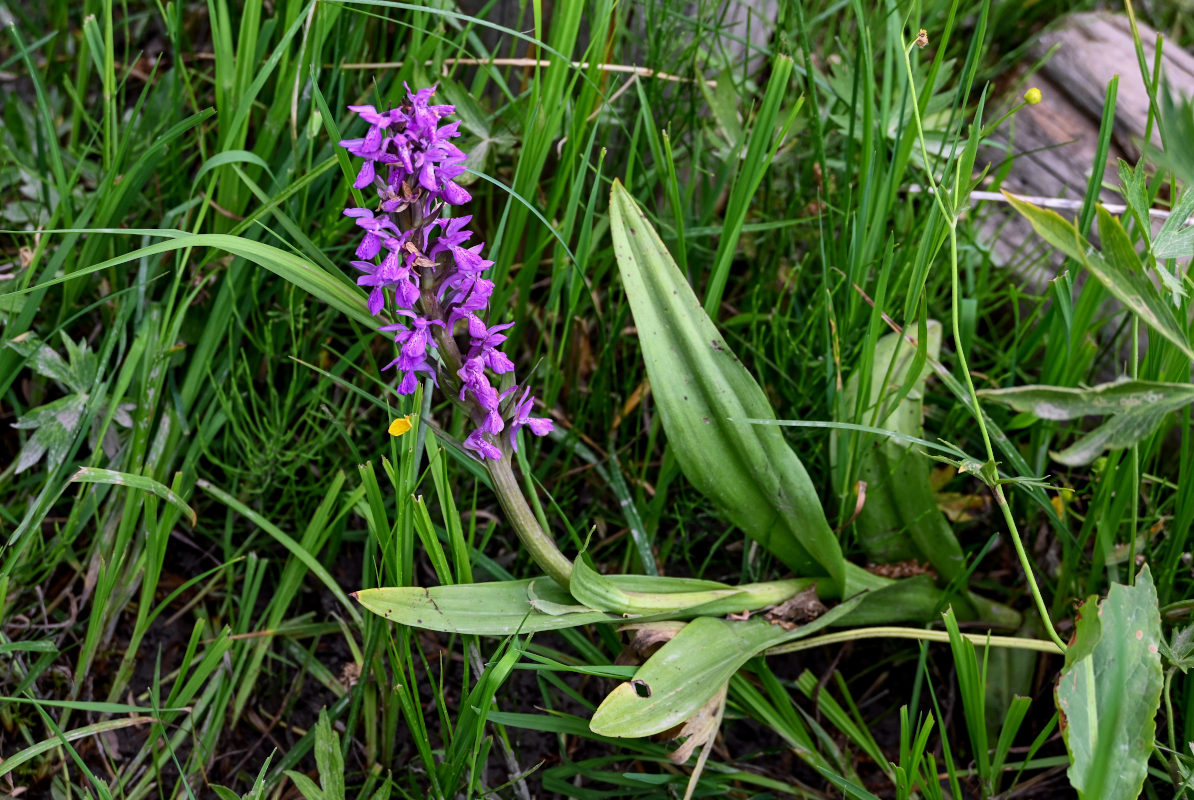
x=429, y=273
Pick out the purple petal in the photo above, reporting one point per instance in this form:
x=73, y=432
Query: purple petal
x=365, y=177
x=455, y=195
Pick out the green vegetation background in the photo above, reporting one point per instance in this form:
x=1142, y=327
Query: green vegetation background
x=174, y=653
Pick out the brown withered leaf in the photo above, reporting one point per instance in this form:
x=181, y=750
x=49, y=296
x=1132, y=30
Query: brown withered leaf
x=700, y=729
x=648, y=637
x=804, y=607
x=959, y=507
x=901, y=569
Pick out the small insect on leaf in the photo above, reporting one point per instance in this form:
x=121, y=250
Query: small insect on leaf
x=400, y=426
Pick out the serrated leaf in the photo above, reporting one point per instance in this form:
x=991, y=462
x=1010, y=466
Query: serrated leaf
x=1135, y=194
x=329, y=759
x=1176, y=237
x=1115, y=269
x=1110, y=690
x=749, y=471
x=55, y=425
x=307, y=787
x=42, y=358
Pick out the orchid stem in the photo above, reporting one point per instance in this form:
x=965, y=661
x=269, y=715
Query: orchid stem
x=537, y=541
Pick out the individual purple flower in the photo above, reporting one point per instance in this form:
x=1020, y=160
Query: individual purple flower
x=410, y=377
x=395, y=271
x=414, y=340
x=474, y=381
x=540, y=426
x=485, y=342
x=370, y=246
x=372, y=147
x=477, y=443
x=452, y=235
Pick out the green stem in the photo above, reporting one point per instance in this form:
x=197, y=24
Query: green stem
x=951, y=220
x=1135, y=367
x=536, y=540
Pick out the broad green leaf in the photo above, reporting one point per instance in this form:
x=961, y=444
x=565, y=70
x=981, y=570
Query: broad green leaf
x=1110, y=690
x=899, y=519
x=660, y=595
x=749, y=471
x=500, y=608
x=1119, y=269
x=503, y=608
x=1118, y=249
x=1136, y=410
x=1058, y=403
x=914, y=599
x=1120, y=272
x=1122, y=430
x=682, y=675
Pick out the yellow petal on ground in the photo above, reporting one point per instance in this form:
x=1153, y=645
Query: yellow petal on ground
x=400, y=426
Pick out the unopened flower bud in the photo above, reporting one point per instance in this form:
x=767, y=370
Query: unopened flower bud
x=1032, y=96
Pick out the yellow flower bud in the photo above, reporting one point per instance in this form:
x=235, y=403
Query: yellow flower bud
x=1032, y=96
x=400, y=426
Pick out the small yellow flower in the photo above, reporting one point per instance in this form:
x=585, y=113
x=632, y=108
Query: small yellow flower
x=400, y=426
x=922, y=38
x=1032, y=96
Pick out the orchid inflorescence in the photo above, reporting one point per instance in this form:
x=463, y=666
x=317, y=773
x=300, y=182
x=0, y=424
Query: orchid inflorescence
x=432, y=278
